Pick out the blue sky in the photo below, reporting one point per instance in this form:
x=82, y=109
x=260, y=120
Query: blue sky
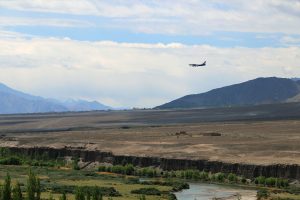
x=136, y=53
x=94, y=28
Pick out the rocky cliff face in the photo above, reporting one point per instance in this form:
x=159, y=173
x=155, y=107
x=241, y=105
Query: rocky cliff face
x=247, y=170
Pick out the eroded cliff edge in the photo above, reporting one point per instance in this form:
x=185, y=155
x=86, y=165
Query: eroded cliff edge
x=248, y=170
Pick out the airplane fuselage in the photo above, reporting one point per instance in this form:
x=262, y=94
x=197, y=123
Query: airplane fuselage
x=198, y=65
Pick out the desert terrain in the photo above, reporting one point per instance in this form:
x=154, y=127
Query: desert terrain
x=255, y=134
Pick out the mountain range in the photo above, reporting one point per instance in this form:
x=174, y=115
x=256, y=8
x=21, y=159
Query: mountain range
x=13, y=101
x=254, y=92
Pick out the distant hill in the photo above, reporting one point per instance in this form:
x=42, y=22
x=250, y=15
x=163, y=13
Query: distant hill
x=296, y=79
x=253, y=92
x=13, y=101
x=82, y=105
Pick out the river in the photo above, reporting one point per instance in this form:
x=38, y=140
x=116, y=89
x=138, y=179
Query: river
x=202, y=191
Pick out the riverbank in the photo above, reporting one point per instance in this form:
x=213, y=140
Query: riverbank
x=204, y=191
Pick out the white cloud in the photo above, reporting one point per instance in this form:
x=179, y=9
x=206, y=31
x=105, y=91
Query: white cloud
x=12, y=35
x=289, y=40
x=27, y=21
x=127, y=74
x=180, y=17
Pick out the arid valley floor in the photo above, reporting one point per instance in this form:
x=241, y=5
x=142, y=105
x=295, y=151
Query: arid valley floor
x=254, y=135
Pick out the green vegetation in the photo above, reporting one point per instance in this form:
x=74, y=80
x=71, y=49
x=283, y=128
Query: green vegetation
x=271, y=182
x=33, y=189
x=75, y=165
x=86, y=190
x=147, y=191
x=262, y=194
x=13, y=160
x=194, y=175
x=9, y=158
x=58, y=179
x=6, y=191
x=66, y=183
x=63, y=197
x=17, y=193
x=176, y=185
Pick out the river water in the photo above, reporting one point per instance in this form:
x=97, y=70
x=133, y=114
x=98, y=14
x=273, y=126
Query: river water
x=202, y=191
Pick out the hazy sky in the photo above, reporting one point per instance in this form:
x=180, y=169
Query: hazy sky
x=136, y=53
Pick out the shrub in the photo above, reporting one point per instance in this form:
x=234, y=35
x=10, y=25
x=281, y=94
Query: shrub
x=204, y=175
x=173, y=174
x=243, y=180
x=220, y=177
x=118, y=169
x=188, y=174
x=101, y=169
x=100, y=191
x=147, y=191
x=129, y=169
x=13, y=160
x=232, y=177
x=178, y=186
x=166, y=174
x=282, y=183
x=260, y=180
x=172, y=197
x=271, y=181
x=196, y=175
x=75, y=165
x=262, y=193
x=143, y=197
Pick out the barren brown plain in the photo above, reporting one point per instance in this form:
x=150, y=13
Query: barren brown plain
x=255, y=134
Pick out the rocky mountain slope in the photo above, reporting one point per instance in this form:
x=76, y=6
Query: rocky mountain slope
x=13, y=101
x=253, y=92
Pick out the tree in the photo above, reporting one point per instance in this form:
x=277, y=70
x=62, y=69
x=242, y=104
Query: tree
x=51, y=197
x=38, y=189
x=1, y=192
x=6, y=194
x=33, y=187
x=96, y=195
x=79, y=195
x=88, y=195
x=17, y=193
x=30, y=186
x=63, y=197
x=75, y=163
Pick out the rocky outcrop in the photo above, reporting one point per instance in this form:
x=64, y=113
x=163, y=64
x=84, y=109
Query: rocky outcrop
x=247, y=170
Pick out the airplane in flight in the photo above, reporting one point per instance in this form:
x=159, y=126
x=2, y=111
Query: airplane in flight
x=198, y=65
